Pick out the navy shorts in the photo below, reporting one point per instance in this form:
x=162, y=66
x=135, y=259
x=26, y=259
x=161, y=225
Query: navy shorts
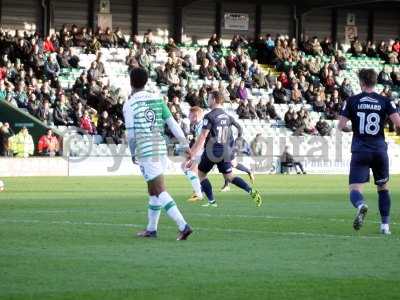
x=206, y=165
x=362, y=162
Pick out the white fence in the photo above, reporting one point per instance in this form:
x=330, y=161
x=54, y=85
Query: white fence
x=123, y=166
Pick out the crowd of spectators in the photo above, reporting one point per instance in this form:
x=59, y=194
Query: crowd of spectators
x=30, y=67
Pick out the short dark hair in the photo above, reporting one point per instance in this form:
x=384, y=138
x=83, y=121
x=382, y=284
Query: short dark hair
x=139, y=78
x=368, y=77
x=218, y=97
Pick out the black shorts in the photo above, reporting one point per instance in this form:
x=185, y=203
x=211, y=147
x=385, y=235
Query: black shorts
x=206, y=165
x=362, y=162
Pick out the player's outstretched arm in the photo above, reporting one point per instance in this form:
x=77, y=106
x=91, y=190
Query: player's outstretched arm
x=395, y=118
x=177, y=131
x=238, y=127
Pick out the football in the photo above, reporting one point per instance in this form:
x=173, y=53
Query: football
x=1, y=186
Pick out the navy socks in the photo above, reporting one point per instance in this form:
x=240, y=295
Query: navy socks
x=207, y=189
x=356, y=198
x=240, y=183
x=384, y=206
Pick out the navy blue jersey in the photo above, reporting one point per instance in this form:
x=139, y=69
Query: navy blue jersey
x=220, y=137
x=368, y=113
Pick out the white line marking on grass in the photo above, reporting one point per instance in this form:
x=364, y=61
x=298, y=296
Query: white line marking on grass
x=208, y=215
x=283, y=233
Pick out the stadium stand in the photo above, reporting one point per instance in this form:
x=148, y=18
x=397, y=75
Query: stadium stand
x=77, y=81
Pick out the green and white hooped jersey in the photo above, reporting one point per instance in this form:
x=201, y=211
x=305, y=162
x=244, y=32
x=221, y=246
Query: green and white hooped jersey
x=146, y=114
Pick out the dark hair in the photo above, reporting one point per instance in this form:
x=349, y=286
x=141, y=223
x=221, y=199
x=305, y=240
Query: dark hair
x=218, y=97
x=368, y=77
x=139, y=78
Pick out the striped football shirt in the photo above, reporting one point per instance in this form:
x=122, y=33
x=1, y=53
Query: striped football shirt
x=146, y=114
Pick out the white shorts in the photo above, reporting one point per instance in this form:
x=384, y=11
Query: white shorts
x=152, y=167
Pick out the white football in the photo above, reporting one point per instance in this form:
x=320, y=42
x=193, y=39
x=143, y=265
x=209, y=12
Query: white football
x=1, y=186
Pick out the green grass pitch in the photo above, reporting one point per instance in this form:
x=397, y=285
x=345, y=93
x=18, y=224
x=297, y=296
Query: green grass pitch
x=73, y=238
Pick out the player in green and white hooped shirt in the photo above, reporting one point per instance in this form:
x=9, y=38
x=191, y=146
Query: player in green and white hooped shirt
x=196, y=122
x=145, y=116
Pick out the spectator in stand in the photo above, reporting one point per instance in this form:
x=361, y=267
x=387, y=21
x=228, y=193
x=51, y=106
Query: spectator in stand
x=192, y=97
x=396, y=46
x=215, y=42
x=44, y=114
x=48, y=144
x=144, y=60
x=346, y=89
x=93, y=74
x=171, y=46
x=104, y=124
x=20, y=96
x=61, y=113
x=392, y=57
x=3, y=90
x=356, y=47
x=284, y=80
x=246, y=110
x=261, y=109
x=384, y=77
x=382, y=50
x=22, y=144
x=115, y=134
x=271, y=111
x=33, y=104
x=241, y=92
x=296, y=95
x=48, y=45
x=319, y=105
x=297, y=125
x=232, y=90
x=316, y=47
x=51, y=68
x=258, y=145
x=395, y=76
x=119, y=39
x=86, y=123
x=222, y=70
x=327, y=47
x=205, y=72
x=287, y=160
x=94, y=46
x=386, y=92
x=99, y=64
x=259, y=79
x=280, y=94
x=333, y=106
x=323, y=127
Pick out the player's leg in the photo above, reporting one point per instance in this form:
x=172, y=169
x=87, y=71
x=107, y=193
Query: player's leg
x=154, y=206
x=204, y=167
x=226, y=187
x=241, y=167
x=359, y=174
x=380, y=170
x=192, y=175
x=159, y=198
x=157, y=187
x=226, y=169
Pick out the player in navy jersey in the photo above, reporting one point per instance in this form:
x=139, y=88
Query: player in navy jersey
x=217, y=140
x=368, y=112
